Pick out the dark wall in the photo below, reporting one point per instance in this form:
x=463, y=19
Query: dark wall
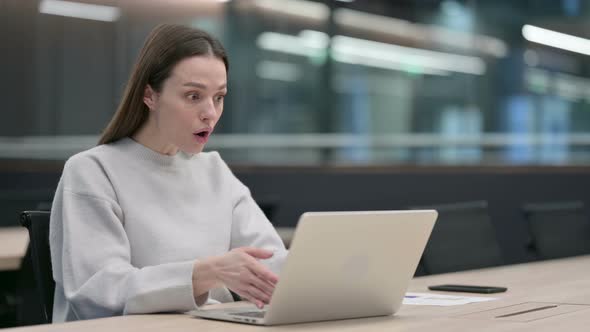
x=297, y=190
x=60, y=75
x=506, y=189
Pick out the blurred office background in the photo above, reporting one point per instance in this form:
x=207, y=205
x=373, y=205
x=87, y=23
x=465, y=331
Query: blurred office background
x=365, y=82
x=478, y=108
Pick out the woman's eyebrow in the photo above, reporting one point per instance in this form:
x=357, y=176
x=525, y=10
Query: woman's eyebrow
x=203, y=86
x=195, y=84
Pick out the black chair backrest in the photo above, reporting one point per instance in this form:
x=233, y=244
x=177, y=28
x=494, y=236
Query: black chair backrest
x=420, y=270
x=463, y=238
x=558, y=229
x=37, y=222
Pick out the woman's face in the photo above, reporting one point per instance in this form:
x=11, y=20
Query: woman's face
x=186, y=110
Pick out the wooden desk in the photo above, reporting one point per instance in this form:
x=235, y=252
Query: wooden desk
x=563, y=281
x=13, y=246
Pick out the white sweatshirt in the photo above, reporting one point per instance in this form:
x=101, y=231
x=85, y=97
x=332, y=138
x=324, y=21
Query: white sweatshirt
x=128, y=223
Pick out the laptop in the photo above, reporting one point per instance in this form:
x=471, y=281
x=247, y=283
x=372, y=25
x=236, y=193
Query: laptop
x=342, y=265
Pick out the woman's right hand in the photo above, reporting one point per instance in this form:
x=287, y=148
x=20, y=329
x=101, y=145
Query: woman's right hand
x=240, y=271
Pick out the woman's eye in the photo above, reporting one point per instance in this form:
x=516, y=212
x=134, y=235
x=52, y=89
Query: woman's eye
x=219, y=98
x=193, y=96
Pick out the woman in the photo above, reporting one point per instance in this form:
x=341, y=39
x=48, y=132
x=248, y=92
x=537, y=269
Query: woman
x=146, y=222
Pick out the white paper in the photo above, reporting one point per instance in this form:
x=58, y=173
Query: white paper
x=442, y=300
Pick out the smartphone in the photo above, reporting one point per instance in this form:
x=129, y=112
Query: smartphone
x=468, y=288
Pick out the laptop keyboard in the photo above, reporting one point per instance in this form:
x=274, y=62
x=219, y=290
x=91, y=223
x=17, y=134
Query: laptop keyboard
x=255, y=314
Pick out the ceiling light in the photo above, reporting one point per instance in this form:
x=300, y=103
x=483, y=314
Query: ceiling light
x=556, y=39
x=80, y=10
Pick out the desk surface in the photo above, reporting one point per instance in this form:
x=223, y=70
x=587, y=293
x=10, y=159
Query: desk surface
x=13, y=246
x=558, y=281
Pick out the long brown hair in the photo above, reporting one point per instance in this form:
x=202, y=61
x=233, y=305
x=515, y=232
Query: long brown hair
x=166, y=45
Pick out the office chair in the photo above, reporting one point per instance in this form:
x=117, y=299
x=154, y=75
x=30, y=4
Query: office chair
x=420, y=271
x=8, y=299
x=37, y=223
x=463, y=238
x=558, y=229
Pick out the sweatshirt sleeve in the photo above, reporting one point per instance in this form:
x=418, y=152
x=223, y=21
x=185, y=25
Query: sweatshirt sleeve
x=90, y=253
x=250, y=227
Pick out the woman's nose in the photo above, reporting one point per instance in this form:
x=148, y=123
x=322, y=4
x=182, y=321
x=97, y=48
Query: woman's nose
x=208, y=112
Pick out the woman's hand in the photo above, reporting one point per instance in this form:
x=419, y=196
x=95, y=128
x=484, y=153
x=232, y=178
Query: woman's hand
x=240, y=271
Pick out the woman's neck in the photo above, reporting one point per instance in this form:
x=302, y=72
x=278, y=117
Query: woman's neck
x=149, y=136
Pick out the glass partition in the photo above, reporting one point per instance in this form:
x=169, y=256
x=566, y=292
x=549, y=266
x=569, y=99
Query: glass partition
x=371, y=82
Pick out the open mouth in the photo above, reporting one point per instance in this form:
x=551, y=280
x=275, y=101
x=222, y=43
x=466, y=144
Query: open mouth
x=202, y=135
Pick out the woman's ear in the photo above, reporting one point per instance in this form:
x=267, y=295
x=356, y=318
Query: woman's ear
x=150, y=97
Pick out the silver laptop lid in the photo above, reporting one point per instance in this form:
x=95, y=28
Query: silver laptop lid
x=349, y=264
